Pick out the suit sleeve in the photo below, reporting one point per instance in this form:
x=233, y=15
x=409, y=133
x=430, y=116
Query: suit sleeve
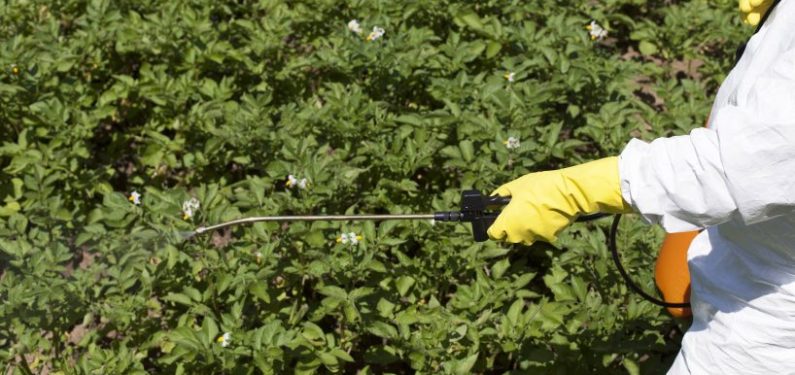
x=742, y=169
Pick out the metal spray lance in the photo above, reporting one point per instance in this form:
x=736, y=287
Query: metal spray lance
x=478, y=210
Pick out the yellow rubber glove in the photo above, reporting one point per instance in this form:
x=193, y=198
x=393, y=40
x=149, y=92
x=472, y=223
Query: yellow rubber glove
x=753, y=10
x=544, y=203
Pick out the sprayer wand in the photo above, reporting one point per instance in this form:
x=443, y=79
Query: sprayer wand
x=478, y=210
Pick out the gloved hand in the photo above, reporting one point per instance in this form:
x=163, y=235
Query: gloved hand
x=544, y=203
x=753, y=10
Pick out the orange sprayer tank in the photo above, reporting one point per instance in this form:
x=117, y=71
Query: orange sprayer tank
x=671, y=273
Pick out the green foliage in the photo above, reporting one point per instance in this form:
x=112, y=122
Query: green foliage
x=221, y=100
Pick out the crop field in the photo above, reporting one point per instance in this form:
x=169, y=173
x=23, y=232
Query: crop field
x=126, y=124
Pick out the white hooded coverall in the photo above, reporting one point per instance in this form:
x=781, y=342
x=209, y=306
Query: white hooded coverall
x=735, y=178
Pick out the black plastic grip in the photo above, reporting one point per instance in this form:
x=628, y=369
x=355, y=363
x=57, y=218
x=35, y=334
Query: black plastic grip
x=475, y=209
x=480, y=227
x=481, y=211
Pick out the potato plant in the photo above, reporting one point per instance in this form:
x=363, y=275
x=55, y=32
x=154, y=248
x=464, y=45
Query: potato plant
x=125, y=124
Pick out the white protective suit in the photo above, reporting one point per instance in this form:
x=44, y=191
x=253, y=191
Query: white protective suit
x=737, y=179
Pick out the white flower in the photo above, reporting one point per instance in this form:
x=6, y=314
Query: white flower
x=509, y=76
x=355, y=27
x=293, y=181
x=512, y=143
x=189, y=207
x=349, y=238
x=433, y=222
x=596, y=31
x=135, y=198
x=376, y=33
x=224, y=339
x=258, y=255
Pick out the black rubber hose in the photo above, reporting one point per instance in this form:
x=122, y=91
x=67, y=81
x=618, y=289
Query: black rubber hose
x=611, y=244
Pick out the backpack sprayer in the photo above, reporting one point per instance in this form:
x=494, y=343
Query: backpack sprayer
x=476, y=209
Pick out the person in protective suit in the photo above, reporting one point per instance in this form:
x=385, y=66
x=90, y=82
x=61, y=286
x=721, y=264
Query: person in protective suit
x=735, y=179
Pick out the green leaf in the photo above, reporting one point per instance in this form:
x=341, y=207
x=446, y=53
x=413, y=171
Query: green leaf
x=493, y=253
x=493, y=49
x=631, y=367
x=193, y=293
x=210, y=329
x=10, y=208
x=647, y=48
x=515, y=311
x=467, y=150
x=385, y=308
x=499, y=268
x=554, y=134
x=328, y=359
x=382, y=329
x=313, y=333
x=376, y=266
x=410, y=119
x=404, y=283
x=341, y=354
x=179, y=298
x=333, y=291
x=470, y=19
x=465, y=365
x=259, y=290
x=579, y=287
